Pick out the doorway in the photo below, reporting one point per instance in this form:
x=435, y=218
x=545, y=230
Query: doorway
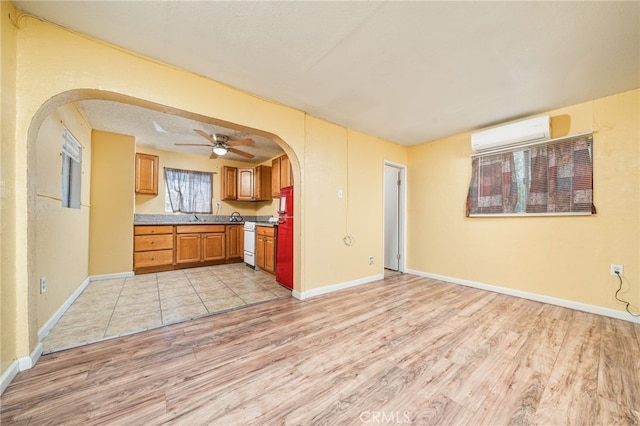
x=394, y=214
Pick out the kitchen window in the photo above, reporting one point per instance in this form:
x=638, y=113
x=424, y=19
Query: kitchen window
x=550, y=178
x=189, y=191
x=71, y=170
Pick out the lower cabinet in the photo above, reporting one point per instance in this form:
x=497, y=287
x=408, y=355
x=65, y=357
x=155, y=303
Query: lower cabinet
x=235, y=241
x=266, y=248
x=200, y=243
x=153, y=248
x=166, y=247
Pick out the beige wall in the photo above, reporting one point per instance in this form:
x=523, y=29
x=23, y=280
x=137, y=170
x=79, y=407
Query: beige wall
x=112, y=189
x=154, y=204
x=62, y=234
x=10, y=295
x=561, y=257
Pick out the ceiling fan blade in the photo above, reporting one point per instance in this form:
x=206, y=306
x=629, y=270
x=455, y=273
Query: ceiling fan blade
x=192, y=144
x=213, y=155
x=240, y=142
x=242, y=153
x=204, y=135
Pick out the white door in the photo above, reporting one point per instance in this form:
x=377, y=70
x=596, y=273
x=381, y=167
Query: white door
x=391, y=218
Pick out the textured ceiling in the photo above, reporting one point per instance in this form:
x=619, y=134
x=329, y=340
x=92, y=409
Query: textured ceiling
x=409, y=72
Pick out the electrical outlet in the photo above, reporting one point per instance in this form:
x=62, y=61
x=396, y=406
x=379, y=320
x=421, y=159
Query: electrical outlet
x=370, y=260
x=43, y=285
x=616, y=268
x=218, y=204
x=340, y=193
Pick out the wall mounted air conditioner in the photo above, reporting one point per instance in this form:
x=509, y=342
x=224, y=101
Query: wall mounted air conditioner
x=519, y=133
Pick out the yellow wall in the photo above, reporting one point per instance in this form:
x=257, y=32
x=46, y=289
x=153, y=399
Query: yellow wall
x=62, y=234
x=337, y=159
x=562, y=257
x=10, y=295
x=152, y=204
x=112, y=189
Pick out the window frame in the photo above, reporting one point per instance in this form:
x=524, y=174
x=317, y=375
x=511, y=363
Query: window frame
x=526, y=149
x=71, y=171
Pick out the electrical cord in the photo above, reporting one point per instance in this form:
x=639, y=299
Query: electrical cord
x=624, y=301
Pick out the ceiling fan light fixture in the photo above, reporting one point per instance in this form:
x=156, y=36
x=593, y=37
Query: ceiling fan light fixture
x=219, y=150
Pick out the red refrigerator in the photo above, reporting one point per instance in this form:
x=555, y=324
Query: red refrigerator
x=284, y=246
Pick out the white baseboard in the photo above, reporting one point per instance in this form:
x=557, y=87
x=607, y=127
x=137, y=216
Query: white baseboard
x=593, y=309
x=111, y=276
x=26, y=362
x=331, y=288
x=8, y=376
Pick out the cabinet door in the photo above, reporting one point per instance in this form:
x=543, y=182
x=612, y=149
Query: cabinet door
x=285, y=172
x=246, y=190
x=234, y=242
x=262, y=183
x=213, y=247
x=146, y=174
x=229, y=186
x=187, y=248
x=260, y=252
x=275, y=177
x=270, y=254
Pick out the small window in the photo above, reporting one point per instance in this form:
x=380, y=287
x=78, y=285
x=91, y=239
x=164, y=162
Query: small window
x=554, y=177
x=189, y=191
x=71, y=170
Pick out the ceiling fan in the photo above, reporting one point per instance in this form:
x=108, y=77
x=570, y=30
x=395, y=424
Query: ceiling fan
x=220, y=144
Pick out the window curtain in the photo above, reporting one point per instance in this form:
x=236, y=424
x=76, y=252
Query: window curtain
x=493, y=188
x=189, y=191
x=562, y=177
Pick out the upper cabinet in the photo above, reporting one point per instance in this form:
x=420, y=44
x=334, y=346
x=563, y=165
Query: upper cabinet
x=281, y=175
x=146, y=174
x=246, y=183
x=229, y=185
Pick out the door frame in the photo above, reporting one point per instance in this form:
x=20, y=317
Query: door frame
x=402, y=213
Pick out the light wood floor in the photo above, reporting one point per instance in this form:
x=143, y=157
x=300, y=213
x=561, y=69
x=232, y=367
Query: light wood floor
x=403, y=350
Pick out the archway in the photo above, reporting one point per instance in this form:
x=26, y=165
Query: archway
x=46, y=319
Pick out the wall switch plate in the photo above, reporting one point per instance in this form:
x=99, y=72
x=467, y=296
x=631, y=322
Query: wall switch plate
x=339, y=193
x=370, y=260
x=616, y=268
x=43, y=285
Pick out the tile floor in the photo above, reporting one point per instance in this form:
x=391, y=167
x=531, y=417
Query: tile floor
x=116, y=307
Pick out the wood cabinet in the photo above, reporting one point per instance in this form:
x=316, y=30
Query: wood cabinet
x=152, y=248
x=229, y=183
x=253, y=183
x=281, y=175
x=235, y=241
x=266, y=248
x=166, y=247
x=146, y=174
x=246, y=184
x=200, y=243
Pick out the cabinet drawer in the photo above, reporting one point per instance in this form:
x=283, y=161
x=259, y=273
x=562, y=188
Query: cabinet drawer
x=152, y=258
x=266, y=231
x=152, y=229
x=152, y=242
x=197, y=229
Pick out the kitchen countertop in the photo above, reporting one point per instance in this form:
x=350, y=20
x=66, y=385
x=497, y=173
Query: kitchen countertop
x=169, y=219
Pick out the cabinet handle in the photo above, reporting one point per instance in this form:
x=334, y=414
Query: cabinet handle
x=153, y=258
x=153, y=242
